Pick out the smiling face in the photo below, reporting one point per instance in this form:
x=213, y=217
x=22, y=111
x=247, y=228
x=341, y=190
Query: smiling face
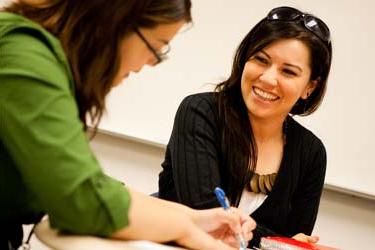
x=274, y=79
x=135, y=53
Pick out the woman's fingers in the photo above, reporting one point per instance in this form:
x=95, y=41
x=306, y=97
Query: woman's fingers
x=229, y=218
x=214, y=219
x=247, y=224
x=247, y=230
x=300, y=237
x=313, y=239
x=198, y=239
x=306, y=238
x=225, y=225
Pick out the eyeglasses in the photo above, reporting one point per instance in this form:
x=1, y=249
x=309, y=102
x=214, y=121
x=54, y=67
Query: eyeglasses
x=312, y=23
x=160, y=55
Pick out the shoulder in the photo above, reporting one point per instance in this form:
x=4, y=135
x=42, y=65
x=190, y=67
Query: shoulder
x=201, y=102
x=307, y=151
x=198, y=110
x=304, y=138
x=16, y=25
x=33, y=51
x=207, y=99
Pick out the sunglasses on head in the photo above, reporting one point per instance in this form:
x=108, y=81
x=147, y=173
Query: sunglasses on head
x=312, y=23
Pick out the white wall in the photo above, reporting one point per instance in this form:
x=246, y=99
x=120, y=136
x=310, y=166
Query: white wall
x=4, y=2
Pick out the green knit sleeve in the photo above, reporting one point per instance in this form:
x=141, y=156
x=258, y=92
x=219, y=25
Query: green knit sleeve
x=41, y=131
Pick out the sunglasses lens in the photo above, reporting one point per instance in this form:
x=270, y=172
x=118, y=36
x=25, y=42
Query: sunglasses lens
x=314, y=24
x=318, y=27
x=284, y=14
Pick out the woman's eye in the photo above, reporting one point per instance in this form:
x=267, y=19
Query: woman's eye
x=289, y=72
x=261, y=59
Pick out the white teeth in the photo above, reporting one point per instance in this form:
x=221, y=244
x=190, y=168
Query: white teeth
x=264, y=95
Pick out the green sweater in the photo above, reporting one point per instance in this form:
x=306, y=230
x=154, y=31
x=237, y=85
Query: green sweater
x=46, y=163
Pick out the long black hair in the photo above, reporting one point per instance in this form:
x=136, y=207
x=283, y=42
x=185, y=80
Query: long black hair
x=237, y=140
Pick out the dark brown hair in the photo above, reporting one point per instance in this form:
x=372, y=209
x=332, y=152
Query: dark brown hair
x=90, y=32
x=237, y=139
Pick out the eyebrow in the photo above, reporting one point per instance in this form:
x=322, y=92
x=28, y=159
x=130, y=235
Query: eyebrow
x=286, y=64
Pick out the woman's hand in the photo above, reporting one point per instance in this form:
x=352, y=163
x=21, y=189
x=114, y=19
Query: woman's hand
x=224, y=225
x=163, y=221
x=306, y=238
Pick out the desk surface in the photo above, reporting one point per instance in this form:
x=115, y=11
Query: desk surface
x=54, y=240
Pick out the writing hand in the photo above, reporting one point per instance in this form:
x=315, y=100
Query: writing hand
x=223, y=225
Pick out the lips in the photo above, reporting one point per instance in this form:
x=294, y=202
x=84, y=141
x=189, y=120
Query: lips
x=264, y=95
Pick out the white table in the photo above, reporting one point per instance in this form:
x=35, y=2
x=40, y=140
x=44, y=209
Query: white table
x=55, y=240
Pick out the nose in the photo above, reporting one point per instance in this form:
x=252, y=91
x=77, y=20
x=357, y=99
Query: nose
x=152, y=61
x=269, y=76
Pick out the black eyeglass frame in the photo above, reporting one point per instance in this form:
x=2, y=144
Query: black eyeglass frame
x=320, y=30
x=160, y=57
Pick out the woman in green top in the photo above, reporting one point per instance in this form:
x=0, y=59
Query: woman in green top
x=58, y=61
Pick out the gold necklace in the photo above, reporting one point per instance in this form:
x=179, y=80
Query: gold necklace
x=262, y=183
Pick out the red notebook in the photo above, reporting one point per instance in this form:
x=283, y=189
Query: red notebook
x=284, y=243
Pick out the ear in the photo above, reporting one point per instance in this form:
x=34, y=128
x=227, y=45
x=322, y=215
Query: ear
x=309, y=89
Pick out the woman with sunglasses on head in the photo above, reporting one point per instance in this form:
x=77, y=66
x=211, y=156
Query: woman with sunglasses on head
x=58, y=61
x=243, y=137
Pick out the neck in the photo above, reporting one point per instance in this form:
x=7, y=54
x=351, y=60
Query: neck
x=266, y=130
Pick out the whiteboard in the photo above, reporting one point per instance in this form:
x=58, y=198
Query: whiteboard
x=144, y=106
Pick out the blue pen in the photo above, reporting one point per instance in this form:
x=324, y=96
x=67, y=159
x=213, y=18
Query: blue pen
x=224, y=202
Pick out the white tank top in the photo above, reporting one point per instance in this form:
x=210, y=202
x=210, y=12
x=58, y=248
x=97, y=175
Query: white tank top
x=250, y=201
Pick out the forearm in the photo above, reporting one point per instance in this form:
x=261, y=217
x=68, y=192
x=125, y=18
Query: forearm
x=154, y=219
x=174, y=205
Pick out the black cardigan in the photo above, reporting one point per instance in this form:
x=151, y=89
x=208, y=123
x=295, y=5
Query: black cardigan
x=191, y=170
